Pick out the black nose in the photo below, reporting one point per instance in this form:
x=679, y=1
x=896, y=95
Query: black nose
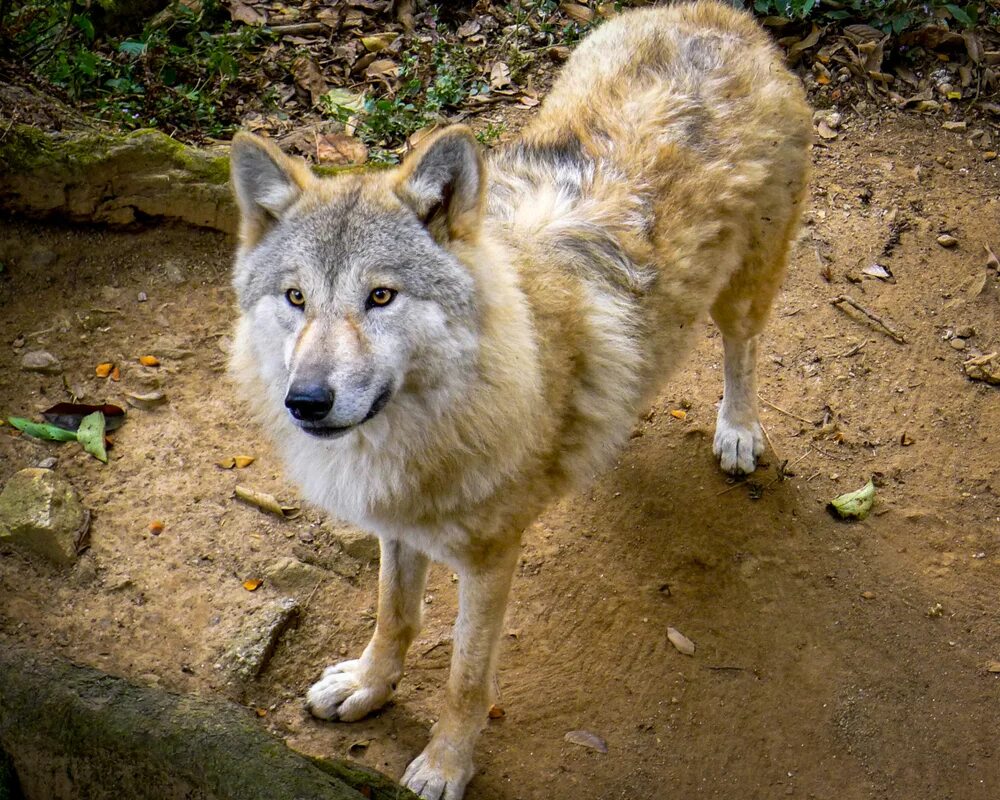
x=309, y=403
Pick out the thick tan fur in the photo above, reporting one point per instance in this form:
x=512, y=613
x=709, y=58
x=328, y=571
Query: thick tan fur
x=661, y=182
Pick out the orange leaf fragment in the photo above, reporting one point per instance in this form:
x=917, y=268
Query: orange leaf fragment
x=116, y=375
x=261, y=712
x=679, y=413
x=496, y=712
x=103, y=370
x=252, y=584
x=156, y=527
x=149, y=361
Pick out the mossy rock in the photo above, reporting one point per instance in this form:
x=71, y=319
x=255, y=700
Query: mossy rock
x=73, y=732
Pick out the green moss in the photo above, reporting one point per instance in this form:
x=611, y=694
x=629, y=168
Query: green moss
x=24, y=147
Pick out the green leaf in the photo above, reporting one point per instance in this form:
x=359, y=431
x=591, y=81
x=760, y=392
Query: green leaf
x=855, y=505
x=960, y=15
x=130, y=47
x=42, y=430
x=91, y=435
x=85, y=25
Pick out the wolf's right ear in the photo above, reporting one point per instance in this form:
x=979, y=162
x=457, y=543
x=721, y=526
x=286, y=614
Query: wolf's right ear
x=444, y=182
x=266, y=183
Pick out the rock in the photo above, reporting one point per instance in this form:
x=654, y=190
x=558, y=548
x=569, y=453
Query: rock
x=254, y=645
x=48, y=463
x=945, y=240
x=362, y=546
x=40, y=513
x=984, y=368
x=953, y=126
x=41, y=361
x=293, y=576
x=965, y=332
x=957, y=344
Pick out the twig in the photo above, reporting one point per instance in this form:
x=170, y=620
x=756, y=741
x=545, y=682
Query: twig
x=896, y=335
x=769, y=404
x=319, y=583
x=736, y=485
x=292, y=29
x=853, y=351
x=829, y=455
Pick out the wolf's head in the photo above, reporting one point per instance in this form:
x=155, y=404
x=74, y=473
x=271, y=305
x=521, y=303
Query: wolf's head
x=352, y=288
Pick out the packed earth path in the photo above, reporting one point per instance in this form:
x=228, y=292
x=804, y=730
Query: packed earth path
x=833, y=659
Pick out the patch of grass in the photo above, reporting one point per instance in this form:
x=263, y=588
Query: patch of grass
x=891, y=16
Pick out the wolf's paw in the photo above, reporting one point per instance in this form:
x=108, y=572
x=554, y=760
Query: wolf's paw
x=438, y=773
x=348, y=691
x=737, y=447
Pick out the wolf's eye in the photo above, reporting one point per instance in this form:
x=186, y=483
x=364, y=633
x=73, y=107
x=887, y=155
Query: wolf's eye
x=295, y=297
x=380, y=297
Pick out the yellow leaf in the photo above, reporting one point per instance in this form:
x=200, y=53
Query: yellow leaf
x=104, y=369
x=252, y=584
x=243, y=461
x=149, y=361
x=679, y=413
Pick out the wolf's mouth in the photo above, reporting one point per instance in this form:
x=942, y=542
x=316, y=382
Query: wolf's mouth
x=321, y=431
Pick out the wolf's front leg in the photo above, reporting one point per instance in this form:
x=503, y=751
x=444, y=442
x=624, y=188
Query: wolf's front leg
x=351, y=689
x=445, y=766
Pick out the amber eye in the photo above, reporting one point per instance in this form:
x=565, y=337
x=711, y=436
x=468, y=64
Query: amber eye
x=295, y=297
x=380, y=297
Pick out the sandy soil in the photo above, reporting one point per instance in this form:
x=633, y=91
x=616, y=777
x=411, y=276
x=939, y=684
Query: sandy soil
x=821, y=670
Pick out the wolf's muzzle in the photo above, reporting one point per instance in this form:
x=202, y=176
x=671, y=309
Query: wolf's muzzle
x=309, y=403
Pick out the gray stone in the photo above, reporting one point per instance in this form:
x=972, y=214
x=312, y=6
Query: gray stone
x=40, y=513
x=41, y=361
x=356, y=544
x=251, y=650
x=292, y=575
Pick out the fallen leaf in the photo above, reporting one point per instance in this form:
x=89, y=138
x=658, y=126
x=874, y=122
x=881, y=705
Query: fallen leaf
x=378, y=41
x=90, y=434
x=116, y=374
x=499, y=75
x=678, y=413
x=993, y=666
x=354, y=748
x=146, y=401
x=877, y=271
x=681, y=642
x=825, y=131
x=241, y=12
x=496, y=712
x=266, y=502
x=238, y=462
x=309, y=78
x=69, y=415
x=382, y=68
x=855, y=505
x=156, y=527
x=341, y=98
x=469, y=28
x=260, y=712
x=340, y=149
x=103, y=370
x=149, y=361
x=42, y=430
x=252, y=584
x=587, y=739
x=577, y=12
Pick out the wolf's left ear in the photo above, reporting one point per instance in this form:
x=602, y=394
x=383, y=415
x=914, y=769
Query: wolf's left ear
x=266, y=183
x=444, y=182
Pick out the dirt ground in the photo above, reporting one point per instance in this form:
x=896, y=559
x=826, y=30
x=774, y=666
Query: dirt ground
x=834, y=660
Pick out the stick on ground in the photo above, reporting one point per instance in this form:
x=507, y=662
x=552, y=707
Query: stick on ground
x=893, y=333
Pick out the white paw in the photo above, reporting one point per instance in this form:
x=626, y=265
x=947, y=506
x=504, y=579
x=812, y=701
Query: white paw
x=348, y=691
x=434, y=776
x=737, y=447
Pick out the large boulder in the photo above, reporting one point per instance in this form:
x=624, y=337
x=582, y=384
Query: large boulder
x=41, y=514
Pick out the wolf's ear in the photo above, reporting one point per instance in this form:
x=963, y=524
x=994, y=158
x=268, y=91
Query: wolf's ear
x=266, y=183
x=444, y=182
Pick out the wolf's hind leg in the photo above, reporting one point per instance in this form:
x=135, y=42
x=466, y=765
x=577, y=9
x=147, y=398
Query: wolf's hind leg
x=351, y=689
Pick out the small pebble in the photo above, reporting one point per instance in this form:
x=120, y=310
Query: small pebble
x=41, y=361
x=965, y=332
x=143, y=297
x=957, y=344
x=946, y=240
x=989, y=155
x=48, y=463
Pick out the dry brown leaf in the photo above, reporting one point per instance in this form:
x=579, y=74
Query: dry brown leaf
x=103, y=370
x=469, y=28
x=587, y=739
x=340, y=149
x=149, y=361
x=252, y=584
x=382, y=68
x=266, y=502
x=973, y=46
x=116, y=374
x=378, y=41
x=496, y=712
x=680, y=642
x=577, y=12
x=806, y=43
x=156, y=527
x=241, y=12
x=309, y=78
x=499, y=75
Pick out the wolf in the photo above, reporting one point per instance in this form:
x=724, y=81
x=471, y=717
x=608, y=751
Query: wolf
x=442, y=349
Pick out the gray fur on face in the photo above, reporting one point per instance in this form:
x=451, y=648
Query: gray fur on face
x=351, y=236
